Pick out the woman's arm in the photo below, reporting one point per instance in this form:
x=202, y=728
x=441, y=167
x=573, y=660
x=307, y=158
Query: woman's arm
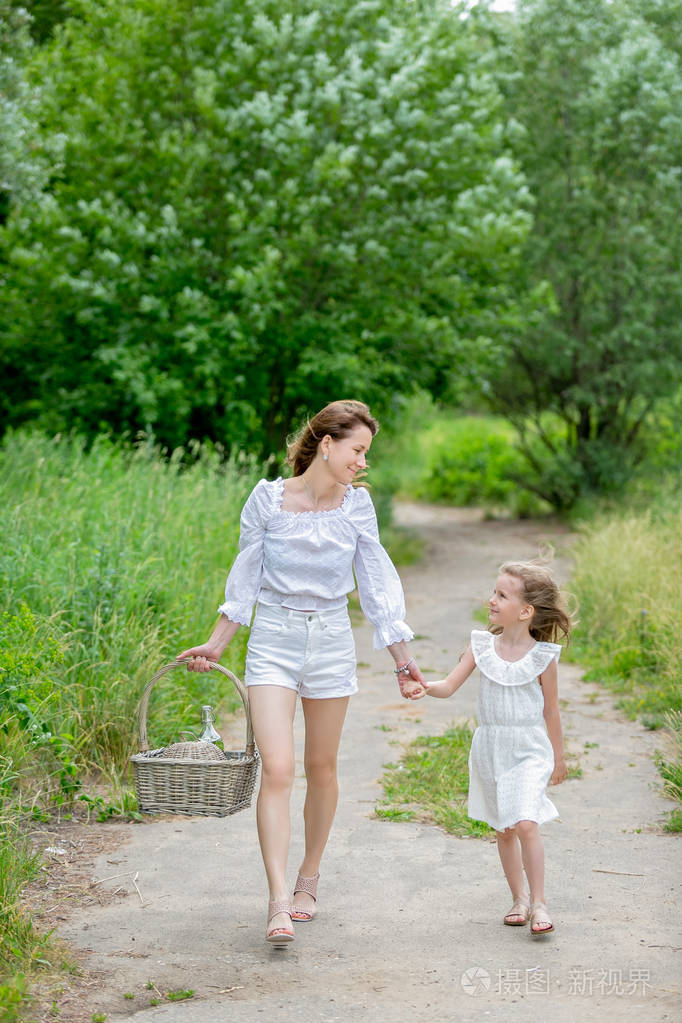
x=243, y=581
x=379, y=587
x=411, y=681
x=455, y=679
x=550, y=688
x=381, y=595
x=222, y=634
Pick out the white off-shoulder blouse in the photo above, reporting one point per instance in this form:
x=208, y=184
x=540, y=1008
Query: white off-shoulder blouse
x=305, y=561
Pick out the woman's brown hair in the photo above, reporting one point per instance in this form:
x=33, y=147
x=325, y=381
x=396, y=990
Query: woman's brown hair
x=550, y=615
x=338, y=419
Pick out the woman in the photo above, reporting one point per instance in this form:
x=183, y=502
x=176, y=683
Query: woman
x=301, y=538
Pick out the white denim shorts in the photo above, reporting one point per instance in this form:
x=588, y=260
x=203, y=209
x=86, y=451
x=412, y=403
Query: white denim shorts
x=312, y=653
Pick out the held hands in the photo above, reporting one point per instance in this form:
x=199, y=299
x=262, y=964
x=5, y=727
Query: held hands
x=411, y=682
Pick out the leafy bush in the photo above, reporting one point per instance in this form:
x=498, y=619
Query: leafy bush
x=472, y=460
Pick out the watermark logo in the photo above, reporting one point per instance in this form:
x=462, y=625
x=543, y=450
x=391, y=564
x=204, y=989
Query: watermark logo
x=475, y=981
x=535, y=980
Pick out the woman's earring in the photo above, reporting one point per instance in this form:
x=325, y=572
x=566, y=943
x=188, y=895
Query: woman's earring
x=325, y=458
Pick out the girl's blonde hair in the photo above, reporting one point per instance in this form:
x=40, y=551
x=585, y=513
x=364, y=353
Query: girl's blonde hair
x=551, y=618
x=338, y=419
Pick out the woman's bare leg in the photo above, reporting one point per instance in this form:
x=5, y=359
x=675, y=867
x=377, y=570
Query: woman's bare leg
x=272, y=715
x=323, y=726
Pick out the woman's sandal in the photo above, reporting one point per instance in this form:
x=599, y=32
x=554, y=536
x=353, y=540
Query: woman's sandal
x=539, y=915
x=309, y=886
x=279, y=936
x=519, y=913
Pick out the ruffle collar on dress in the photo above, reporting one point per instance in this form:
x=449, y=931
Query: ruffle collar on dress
x=511, y=673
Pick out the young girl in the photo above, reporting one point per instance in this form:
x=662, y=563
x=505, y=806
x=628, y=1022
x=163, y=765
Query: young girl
x=517, y=748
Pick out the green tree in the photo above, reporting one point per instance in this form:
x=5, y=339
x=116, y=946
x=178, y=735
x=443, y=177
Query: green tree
x=263, y=205
x=45, y=15
x=24, y=160
x=598, y=90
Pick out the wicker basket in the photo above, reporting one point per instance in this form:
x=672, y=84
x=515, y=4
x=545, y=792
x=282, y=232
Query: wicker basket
x=194, y=777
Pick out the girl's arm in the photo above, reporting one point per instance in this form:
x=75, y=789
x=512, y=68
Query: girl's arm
x=455, y=679
x=550, y=689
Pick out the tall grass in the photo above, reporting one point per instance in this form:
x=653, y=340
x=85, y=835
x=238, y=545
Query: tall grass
x=627, y=572
x=112, y=561
x=626, y=577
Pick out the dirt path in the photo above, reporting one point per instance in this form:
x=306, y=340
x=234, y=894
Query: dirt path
x=410, y=917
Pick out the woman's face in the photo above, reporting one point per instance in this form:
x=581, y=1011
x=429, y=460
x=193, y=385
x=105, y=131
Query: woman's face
x=347, y=456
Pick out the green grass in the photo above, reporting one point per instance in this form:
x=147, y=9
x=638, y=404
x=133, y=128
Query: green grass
x=24, y=950
x=112, y=561
x=431, y=783
x=14, y=998
x=626, y=578
x=669, y=764
x=180, y=995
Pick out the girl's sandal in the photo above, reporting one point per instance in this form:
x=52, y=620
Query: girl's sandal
x=278, y=937
x=540, y=922
x=519, y=913
x=309, y=886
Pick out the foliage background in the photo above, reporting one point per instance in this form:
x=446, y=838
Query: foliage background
x=214, y=217
x=258, y=204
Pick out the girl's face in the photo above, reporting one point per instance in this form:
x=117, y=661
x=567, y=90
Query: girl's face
x=347, y=456
x=507, y=605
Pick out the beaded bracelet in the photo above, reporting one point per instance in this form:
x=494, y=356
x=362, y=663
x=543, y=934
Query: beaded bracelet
x=403, y=667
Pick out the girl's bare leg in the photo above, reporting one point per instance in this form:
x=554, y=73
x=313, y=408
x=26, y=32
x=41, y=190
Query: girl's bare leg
x=272, y=716
x=509, y=850
x=533, y=854
x=323, y=725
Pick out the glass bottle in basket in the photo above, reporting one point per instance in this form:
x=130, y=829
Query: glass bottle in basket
x=208, y=732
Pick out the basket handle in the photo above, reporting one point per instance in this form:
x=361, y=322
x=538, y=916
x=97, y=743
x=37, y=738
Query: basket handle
x=144, y=703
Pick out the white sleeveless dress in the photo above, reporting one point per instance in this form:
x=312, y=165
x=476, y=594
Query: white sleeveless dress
x=511, y=759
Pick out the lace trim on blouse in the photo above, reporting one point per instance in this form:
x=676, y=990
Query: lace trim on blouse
x=511, y=673
x=279, y=497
